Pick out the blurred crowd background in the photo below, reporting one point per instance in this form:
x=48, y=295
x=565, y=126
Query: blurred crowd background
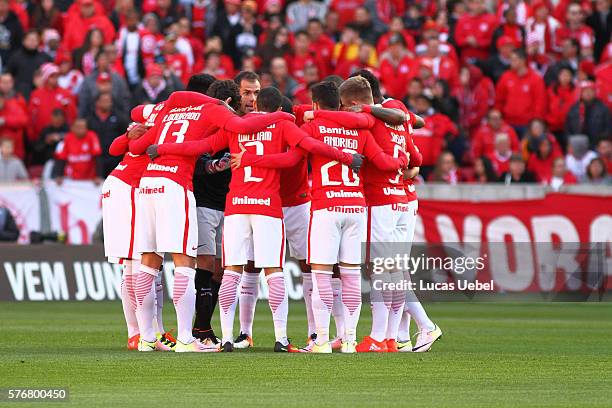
x=512, y=91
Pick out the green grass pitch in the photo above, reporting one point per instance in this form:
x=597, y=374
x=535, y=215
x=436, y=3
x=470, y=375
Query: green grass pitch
x=492, y=355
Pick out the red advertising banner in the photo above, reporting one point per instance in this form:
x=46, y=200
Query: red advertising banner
x=561, y=242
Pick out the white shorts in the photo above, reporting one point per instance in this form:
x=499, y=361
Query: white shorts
x=210, y=230
x=336, y=236
x=166, y=220
x=253, y=237
x=388, y=224
x=118, y=217
x=296, y=228
x=413, y=207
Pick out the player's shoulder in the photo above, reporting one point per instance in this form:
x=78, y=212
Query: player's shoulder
x=394, y=103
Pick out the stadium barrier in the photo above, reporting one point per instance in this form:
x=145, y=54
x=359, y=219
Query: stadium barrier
x=532, y=241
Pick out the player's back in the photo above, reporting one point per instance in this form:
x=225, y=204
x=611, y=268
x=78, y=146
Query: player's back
x=386, y=186
x=180, y=119
x=255, y=190
x=335, y=184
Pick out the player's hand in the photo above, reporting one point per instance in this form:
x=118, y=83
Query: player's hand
x=226, y=103
x=152, y=152
x=236, y=159
x=409, y=174
x=308, y=116
x=357, y=162
x=135, y=130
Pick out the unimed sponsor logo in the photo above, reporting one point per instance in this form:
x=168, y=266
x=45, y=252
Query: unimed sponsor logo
x=388, y=191
x=161, y=167
x=251, y=201
x=106, y=194
x=344, y=194
x=152, y=190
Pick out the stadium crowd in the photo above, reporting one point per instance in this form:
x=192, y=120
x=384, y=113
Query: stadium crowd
x=511, y=91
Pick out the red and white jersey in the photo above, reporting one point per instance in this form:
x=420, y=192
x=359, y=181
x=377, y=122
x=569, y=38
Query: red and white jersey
x=294, y=187
x=80, y=155
x=335, y=184
x=184, y=117
x=414, y=155
x=256, y=190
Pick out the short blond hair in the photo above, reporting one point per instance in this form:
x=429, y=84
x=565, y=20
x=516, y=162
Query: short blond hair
x=356, y=89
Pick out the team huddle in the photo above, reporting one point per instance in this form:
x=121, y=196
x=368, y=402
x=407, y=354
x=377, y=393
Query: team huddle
x=218, y=177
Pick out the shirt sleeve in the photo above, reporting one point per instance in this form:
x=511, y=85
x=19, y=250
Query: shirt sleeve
x=381, y=160
x=96, y=150
x=139, y=146
x=274, y=161
x=351, y=120
x=119, y=146
x=416, y=158
x=225, y=119
x=212, y=144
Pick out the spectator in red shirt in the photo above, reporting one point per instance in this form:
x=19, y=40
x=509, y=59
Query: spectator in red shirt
x=46, y=99
x=346, y=10
x=476, y=95
x=303, y=56
x=433, y=137
x=543, y=26
x=603, y=77
x=510, y=28
x=443, y=67
x=397, y=67
x=155, y=88
x=13, y=123
x=176, y=61
x=561, y=96
x=85, y=56
x=520, y=93
x=78, y=156
x=540, y=162
x=320, y=43
x=559, y=175
x=7, y=88
x=483, y=140
x=474, y=31
x=536, y=131
x=281, y=78
x=302, y=93
x=576, y=29
x=78, y=25
x=446, y=170
x=502, y=153
x=395, y=27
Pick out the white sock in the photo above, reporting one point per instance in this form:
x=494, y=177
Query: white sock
x=144, y=290
x=279, y=305
x=322, y=302
x=249, y=292
x=416, y=310
x=228, y=297
x=307, y=289
x=398, y=300
x=159, y=304
x=337, y=308
x=128, y=299
x=183, y=297
x=403, y=334
x=351, y=300
x=380, y=300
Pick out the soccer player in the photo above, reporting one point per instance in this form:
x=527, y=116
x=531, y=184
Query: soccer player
x=118, y=210
x=210, y=186
x=249, y=88
x=253, y=213
x=337, y=221
x=166, y=201
x=428, y=331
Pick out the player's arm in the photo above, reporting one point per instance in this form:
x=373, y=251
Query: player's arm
x=120, y=146
x=139, y=145
x=354, y=119
x=391, y=116
x=381, y=160
x=289, y=158
x=223, y=118
x=211, y=145
x=416, y=158
x=419, y=122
